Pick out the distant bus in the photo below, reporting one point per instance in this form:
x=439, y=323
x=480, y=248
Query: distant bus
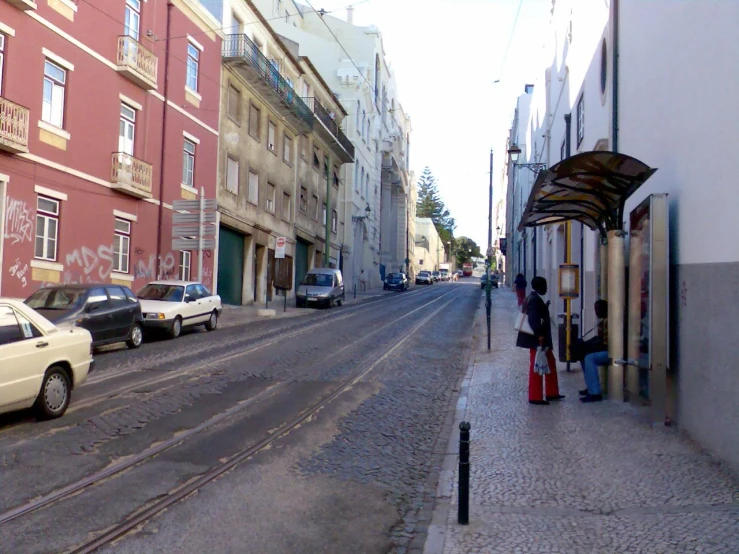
x=467, y=270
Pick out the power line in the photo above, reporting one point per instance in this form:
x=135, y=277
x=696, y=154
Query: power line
x=510, y=38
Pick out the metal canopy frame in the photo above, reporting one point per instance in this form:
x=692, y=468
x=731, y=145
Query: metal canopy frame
x=590, y=187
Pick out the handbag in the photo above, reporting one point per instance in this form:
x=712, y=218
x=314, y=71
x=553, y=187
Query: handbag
x=522, y=323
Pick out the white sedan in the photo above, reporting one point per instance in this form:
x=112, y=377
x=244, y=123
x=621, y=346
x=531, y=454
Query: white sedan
x=172, y=305
x=41, y=363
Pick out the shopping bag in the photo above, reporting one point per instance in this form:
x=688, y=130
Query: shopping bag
x=522, y=324
x=541, y=365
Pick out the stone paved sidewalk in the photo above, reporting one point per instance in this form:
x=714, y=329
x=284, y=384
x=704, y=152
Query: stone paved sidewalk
x=570, y=477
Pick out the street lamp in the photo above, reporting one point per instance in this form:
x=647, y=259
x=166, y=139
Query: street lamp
x=367, y=211
x=514, y=152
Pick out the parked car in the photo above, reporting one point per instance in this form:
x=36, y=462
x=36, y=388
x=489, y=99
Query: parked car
x=436, y=276
x=111, y=313
x=424, y=278
x=493, y=280
x=396, y=281
x=321, y=286
x=41, y=363
x=173, y=305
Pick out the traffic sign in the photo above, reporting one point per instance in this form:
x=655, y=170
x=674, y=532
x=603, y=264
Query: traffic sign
x=208, y=217
x=193, y=230
x=280, y=247
x=192, y=244
x=209, y=204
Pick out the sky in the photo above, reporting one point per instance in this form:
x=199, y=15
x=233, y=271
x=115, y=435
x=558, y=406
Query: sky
x=447, y=56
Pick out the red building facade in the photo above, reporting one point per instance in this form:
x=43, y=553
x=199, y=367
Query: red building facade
x=87, y=149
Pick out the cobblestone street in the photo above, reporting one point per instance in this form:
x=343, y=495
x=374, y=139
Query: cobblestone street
x=324, y=409
x=574, y=478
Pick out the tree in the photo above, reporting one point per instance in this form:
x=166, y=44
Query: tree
x=431, y=205
x=465, y=249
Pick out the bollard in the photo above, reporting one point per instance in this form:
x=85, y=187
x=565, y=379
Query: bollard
x=355, y=291
x=285, y=307
x=463, y=511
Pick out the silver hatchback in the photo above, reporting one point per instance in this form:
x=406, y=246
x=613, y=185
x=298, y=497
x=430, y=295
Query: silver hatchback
x=321, y=286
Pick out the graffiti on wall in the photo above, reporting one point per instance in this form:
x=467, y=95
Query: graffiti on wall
x=19, y=270
x=88, y=265
x=146, y=267
x=18, y=222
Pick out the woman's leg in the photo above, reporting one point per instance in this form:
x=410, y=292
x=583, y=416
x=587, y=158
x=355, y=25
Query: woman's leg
x=536, y=392
x=552, y=381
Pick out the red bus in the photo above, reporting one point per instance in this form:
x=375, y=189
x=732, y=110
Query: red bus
x=467, y=269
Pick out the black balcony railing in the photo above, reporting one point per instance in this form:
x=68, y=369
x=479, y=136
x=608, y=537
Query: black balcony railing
x=242, y=48
x=331, y=124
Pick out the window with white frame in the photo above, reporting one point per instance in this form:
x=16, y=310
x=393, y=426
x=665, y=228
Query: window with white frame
x=121, y=245
x=55, y=80
x=193, y=61
x=271, y=191
x=232, y=175
x=47, y=228
x=361, y=184
x=132, y=18
x=2, y=60
x=185, y=260
x=253, y=187
x=334, y=220
x=126, y=130
x=287, y=151
x=271, y=134
x=188, y=163
x=285, y=206
x=580, y=119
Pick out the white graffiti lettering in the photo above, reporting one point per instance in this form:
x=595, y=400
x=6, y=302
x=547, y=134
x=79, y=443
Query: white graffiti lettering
x=89, y=260
x=18, y=221
x=19, y=271
x=147, y=269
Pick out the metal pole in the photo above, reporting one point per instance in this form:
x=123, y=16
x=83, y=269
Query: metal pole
x=463, y=509
x=162, y=154
x=284, y=293
x=616, y=296
x=201, y=232
x=568, y=301
x=266, y=285
x=488, y=284
x=327, y=248
x=355, y=291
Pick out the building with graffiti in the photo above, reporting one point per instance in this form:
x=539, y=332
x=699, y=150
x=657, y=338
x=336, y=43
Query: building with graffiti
x=101, y=132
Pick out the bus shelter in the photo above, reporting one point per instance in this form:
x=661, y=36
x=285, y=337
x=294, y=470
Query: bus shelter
x=592, y=188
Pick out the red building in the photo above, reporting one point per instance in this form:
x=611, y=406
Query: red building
x=87, y=149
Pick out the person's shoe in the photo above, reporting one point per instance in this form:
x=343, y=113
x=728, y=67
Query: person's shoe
x=558, y=397
x=591, y=398
x=583, y=392
x=539, y=402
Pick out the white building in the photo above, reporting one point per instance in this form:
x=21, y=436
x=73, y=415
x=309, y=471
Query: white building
x=429, y=250
x=352, y=61
x=669, y=101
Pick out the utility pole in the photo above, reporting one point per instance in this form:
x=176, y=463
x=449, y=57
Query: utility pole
x=488, y=284
x=327, y=248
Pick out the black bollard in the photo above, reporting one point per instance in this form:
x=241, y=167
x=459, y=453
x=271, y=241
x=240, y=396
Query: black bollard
x=463, y=512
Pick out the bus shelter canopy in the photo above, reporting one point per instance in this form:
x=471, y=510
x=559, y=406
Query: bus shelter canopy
x=590, y=187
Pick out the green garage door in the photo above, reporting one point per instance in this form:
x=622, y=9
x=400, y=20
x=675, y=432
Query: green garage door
x=230, y=266
x=301, y=261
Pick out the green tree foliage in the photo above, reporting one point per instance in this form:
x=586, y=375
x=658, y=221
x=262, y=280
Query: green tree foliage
x=431, y=205
x=465, y=249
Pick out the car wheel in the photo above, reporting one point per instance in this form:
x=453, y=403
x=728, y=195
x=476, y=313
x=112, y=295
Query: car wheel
x=339, y=302
x=212, y=322
x=176, y=329
x=135, y=337
x=54, y=396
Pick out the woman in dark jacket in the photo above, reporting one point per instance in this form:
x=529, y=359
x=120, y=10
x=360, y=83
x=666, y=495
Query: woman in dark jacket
x=520, y=285
x=538, y=317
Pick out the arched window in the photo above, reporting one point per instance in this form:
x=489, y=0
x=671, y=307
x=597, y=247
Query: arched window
x=361, y=183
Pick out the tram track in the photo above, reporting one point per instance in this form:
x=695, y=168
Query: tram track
x=122, y=466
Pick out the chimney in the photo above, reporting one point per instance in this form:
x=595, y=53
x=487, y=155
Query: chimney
x=350, y=15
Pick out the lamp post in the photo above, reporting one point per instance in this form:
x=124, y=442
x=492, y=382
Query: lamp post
x=488, y=284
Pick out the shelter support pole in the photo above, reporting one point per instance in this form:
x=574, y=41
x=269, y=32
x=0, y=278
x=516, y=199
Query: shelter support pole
x=616, y=304
x=603, y=293
x=568, y=301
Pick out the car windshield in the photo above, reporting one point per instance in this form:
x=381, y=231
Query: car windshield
x=423, y=274
x=165, y=293
x=318, y=280
x=395, y=276
x=57, y=299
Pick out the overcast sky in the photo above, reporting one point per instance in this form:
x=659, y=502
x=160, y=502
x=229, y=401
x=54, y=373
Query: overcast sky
x=447, y=55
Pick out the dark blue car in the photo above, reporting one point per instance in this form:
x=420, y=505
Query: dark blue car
x=396, y=281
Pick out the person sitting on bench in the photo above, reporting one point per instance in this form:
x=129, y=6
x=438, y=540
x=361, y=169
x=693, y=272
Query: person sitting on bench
x=593, y=353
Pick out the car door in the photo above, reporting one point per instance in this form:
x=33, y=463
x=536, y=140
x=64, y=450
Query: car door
x=23, y=358
x=98, y=318
x=122, y=312
x=191, y=307
x=207, y=301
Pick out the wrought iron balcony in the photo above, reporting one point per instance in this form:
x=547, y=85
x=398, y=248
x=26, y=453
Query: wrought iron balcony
x=13, y=127
x=137, y=63
x=346, y=148
x=240, y=52
x=131, y=175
